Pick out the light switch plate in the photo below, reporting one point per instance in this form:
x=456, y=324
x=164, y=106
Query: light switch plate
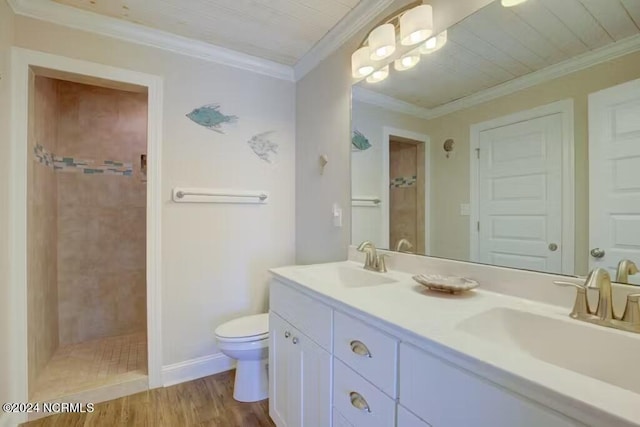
x=465, y=209
x=337, y=215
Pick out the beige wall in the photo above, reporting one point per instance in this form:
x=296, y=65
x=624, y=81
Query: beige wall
x=451, y=176
x=6, y=39
x=101, y=218
x=215, y=257
x=42, y=193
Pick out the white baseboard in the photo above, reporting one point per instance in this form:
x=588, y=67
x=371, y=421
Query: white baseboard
x=196, y=368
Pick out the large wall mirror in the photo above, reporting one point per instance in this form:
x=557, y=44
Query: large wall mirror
x=514, y=141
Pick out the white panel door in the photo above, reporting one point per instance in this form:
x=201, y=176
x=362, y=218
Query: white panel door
x=614, y=175
x=520, y=194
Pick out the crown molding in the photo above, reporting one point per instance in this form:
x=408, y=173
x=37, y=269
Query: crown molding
x=354, y=21
x=370, y=97
x=577, y=63
x=79, y=19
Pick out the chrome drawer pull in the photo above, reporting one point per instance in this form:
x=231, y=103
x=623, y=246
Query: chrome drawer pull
x=359, y=348
x=359, y=402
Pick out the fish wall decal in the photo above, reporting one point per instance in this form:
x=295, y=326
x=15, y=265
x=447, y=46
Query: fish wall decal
x=263, y=146
x=210, y=117
x=359, y=141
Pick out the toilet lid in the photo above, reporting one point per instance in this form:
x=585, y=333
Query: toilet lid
x=245, y=327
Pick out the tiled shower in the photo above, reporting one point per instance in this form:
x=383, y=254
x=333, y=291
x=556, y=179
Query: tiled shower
x=86, y=237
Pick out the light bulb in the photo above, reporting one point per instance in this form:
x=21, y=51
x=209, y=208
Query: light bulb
x=511, y=3
x=382, y=41
x=431, y=43
x=378, y=75
x=434, y=43
x=408, y=61
x=416, y=25
x=361, y=64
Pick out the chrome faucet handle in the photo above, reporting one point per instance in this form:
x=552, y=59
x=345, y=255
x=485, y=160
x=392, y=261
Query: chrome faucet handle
x=632, y=310
x=581, y=304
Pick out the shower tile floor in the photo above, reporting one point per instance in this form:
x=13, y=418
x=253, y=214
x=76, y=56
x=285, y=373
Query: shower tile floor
x=95, y=364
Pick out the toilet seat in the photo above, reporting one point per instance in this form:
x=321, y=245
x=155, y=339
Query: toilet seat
x=244, y=329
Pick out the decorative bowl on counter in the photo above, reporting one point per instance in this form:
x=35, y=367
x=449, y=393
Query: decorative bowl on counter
x=450, y=284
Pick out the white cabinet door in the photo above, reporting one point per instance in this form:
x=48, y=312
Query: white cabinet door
x=299, y=377
x=284, y=374
x=614, y=175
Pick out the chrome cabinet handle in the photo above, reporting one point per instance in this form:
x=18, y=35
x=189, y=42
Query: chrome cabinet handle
x=359, y=348
x=287, y=334
x=294, y=340
x=359, y=402
x=597, y=252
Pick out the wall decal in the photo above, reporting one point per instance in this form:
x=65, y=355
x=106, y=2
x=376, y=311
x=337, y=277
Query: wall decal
x=43, y=155
x=210, y=117
x=359, y=141
x=263, y=146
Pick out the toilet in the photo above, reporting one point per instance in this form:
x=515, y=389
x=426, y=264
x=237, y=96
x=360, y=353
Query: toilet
x=247, y=340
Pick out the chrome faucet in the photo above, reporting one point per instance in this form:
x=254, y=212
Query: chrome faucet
x=604, y=314
x=403, y=245
x=373, y=261
x=626, y=268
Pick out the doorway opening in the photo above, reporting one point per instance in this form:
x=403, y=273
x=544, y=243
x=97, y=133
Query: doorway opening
x=86, y=237
x=405, y=191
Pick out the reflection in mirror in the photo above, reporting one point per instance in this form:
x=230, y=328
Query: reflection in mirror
x=515, y=143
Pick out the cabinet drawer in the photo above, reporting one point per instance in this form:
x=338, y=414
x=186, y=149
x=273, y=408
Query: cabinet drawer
x=444, y=395
x=370, y=407
x=407, y=419
x=371, y=353
x=311, y=317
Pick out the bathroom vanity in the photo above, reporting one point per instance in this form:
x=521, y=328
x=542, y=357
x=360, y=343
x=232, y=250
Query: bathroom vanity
x=349, y=347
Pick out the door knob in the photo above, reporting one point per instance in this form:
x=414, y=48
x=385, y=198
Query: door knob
x=597, y=252
x=553, y=247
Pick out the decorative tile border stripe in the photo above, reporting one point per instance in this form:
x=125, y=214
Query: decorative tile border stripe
x=106, y=167
x=403, y=181
x=43, y=156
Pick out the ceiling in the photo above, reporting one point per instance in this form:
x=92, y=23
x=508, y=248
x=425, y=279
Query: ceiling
x=278, y=30
x=498, y=44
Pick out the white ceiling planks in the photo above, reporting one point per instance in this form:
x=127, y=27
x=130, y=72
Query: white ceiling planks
x=633, y=9
x=578, y=19
x=613, y=17
x=497, y=44
x=279, y=30
x=556, y=31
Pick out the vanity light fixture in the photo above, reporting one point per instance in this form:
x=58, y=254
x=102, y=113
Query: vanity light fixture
x=409, y=26
x=407, y=61
x=378, y=75
x=434, y=43
x=361, y=63
x=511, y=3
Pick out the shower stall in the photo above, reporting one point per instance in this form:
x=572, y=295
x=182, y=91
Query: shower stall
x=86, y=237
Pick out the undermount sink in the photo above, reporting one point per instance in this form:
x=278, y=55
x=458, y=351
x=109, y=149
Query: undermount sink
x=347, y=276
x=597, y=353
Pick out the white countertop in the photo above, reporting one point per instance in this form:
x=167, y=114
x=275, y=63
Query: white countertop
x=434, y=318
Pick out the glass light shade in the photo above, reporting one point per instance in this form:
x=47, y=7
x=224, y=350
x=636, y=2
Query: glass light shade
x=407, y=61
x=361, y=63
x=416, y=25
x=378, y=75
x=434, y=43
x=382, y=41
x=511, y=3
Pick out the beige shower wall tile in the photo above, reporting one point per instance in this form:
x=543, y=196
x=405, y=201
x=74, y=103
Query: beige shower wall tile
x=102, y=218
